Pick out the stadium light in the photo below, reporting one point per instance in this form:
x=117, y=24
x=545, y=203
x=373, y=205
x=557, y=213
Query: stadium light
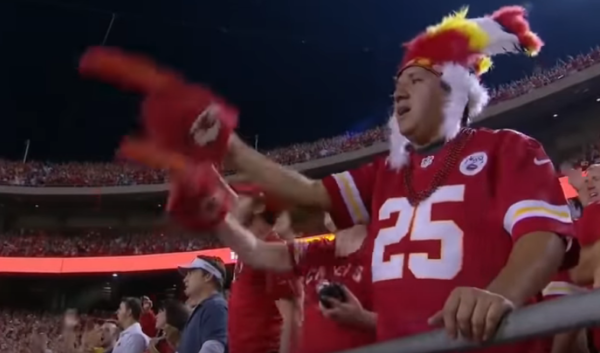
x=115, y=275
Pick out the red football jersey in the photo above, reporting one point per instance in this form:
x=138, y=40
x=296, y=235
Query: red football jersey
x=503, y=187
x=316, y=262
x=254, y=320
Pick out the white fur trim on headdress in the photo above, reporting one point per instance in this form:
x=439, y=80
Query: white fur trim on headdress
x=465, y=89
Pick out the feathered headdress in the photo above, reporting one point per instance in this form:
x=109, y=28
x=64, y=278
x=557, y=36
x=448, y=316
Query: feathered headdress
x=459, y=49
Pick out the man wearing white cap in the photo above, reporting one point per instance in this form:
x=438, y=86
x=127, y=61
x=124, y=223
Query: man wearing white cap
x=206, y=329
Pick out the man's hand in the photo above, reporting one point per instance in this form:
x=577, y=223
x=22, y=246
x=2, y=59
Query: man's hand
x=199, y=199
x=473, y=313
x=350, y=312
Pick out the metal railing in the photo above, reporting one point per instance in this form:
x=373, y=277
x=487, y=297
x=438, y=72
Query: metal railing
x=547, y=318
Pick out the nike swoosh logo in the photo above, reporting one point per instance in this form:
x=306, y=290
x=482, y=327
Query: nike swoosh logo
x=541, y=161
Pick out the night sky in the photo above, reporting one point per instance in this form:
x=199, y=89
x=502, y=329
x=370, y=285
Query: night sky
x=298, y=69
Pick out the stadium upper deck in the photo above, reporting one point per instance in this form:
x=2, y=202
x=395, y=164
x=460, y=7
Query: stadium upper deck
x=554, y=113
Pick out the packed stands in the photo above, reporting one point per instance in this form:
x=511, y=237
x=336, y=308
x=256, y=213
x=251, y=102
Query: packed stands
x=100, y=243
x=37, y=332
x=111, y=174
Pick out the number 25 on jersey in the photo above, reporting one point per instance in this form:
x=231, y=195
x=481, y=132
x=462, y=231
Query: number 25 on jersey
x=416, y=223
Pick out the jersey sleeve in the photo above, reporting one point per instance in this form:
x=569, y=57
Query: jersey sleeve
x=588, y=226
x=529, y=194
x=350, y=193
x=561, y=285
x=309, y=254
x=528, y=190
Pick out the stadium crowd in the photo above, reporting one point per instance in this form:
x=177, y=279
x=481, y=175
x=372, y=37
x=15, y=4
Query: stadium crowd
x=104, y=242
x=111, y=174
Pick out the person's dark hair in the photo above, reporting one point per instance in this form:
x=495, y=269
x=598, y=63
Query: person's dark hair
x=269, y=217
x=135, y=305
x=176, y=314
x=217, y=263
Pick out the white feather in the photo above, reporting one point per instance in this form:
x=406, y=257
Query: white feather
x=500, y=42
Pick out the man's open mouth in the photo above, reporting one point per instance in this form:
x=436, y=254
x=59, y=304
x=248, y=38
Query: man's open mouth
x=402, y=111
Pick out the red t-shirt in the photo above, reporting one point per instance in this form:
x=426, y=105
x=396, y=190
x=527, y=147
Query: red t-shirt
x=148, y=323
x=316, y=262
x=254, y=320
x=503, y=187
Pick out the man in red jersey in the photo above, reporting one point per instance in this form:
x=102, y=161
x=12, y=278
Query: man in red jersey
x=347, y=319
x=470, y=222
x=261, y=304
x=587, y=272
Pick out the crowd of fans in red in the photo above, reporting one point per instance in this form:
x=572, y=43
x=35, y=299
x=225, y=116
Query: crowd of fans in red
x=109, y=174
x=111, y=243
x=19, y=327
x=39, y=332
x=106, y=242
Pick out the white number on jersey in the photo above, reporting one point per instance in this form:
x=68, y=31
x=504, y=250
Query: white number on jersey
x=416, y=223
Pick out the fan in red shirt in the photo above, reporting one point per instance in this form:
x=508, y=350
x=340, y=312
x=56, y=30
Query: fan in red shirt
x=148, y=319
x=587, y=273
x=457, y=216
x=260, y=301
x=347, y=319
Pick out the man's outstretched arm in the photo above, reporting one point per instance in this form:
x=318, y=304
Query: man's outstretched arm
x=293, y=256
x=252, y=251
x=274, y=178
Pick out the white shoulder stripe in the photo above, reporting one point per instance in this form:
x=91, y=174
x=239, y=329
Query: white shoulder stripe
x=535, y=208
x=351, y=196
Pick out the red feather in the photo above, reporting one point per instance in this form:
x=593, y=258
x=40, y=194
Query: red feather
x=446, y=47
x=512, y=18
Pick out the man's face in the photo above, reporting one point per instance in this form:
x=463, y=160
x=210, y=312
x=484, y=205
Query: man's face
x=146, y=305
x=161, y=319
x=194, y=282
x=418, y=101
x=109, y=334
x=123, y=313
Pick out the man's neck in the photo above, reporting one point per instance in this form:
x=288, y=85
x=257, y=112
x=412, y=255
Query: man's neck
x=128, y=324
x=197, y=299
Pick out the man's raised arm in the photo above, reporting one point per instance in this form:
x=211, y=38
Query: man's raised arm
x=292, y=256
x=285, y=183
x=256, y=253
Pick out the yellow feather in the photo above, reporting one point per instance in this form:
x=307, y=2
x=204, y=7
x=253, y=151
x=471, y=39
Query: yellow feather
x=484, y=65
x=478, y=38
